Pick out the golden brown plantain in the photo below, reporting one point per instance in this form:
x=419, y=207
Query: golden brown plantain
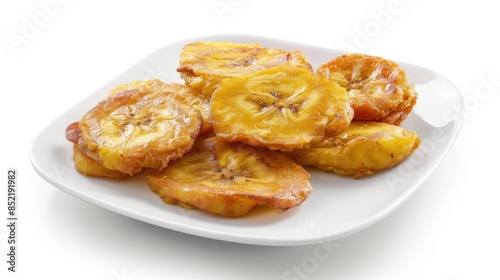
x=204, y=64
x=137, y=129
x=364, y=148
x=378, y=88
x=281, y=108
x=90, y=167
x=192, y=96
x=230, y=179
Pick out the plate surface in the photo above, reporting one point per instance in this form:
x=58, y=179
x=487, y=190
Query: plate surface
x=337, y=207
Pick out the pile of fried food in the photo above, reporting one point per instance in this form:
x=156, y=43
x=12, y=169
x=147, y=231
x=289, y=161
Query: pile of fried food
x=237, y=134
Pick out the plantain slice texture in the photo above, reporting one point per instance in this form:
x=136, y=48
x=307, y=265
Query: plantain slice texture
x=378, y=88
x=140, y=128
x=91, y=167
x=192, y=96
x=203, y=65
x=85, y=162
x=230, y=179
x=281, y=108
x=364, y=148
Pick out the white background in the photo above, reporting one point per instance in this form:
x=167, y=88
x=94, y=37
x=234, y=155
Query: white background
x=448, y=230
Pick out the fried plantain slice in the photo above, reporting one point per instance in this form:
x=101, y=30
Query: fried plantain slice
x=229, y=179
x=90, y=167
x=74, y=135
x=137, y=129
x=192, y=96
x=281, y=108
x=364, y=148
x=203, y=65
x=84, y=161
x=378, y=88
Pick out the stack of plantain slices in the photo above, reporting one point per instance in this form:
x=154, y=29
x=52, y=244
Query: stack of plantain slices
x=237, y=134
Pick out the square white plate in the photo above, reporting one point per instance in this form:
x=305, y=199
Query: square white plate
x=337, y=207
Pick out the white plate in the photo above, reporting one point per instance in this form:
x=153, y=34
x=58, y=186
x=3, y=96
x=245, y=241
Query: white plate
x=337, y=207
